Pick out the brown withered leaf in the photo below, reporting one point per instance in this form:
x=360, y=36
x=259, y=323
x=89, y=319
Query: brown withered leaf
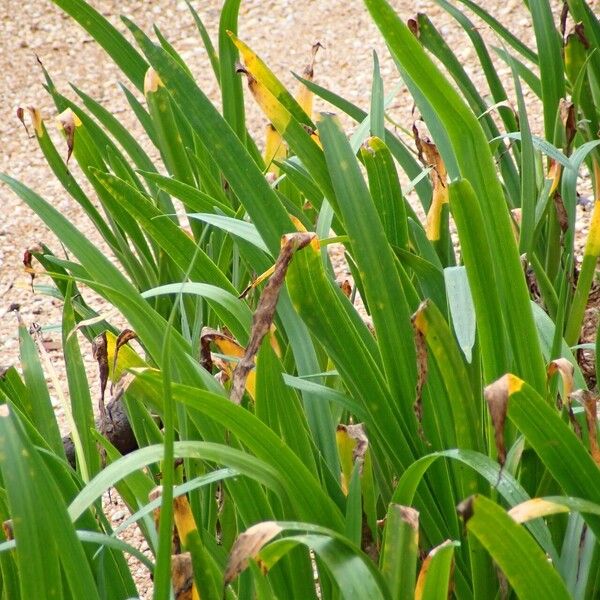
x=413, y=25
x=569, y=121
x=408, y=514
x=465, y=509
x=561, y=212
x=566, y=371
x=182, y=576
x=496, y=396
x=247, y=546
x=421, y=352
x=309, y=69
x=346, y=288
x=579, y=30
x=21, y=116
x=430, y=157
x=589, y=400
x=100, y=354
x=154, y=494
x=564, y=15
x=27, y=258
x=205, y=353
x=263, y=316
x=7, y=528
x=356, y=432
x=68, y=121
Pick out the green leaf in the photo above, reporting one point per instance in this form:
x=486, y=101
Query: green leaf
x=434, y=579
x=461, y=307
x=512, y=548
x=474, y=161
x=39, y=407
x=120, y=50
x=377, y=116
x=46, y=540
x=398, y=562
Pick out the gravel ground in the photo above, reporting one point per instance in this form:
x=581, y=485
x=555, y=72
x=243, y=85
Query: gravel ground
x=281, y=32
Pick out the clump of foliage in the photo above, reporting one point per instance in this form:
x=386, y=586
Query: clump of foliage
x=302, y=452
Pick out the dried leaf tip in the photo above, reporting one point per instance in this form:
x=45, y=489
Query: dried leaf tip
x=152, y=81
x=36, y=119
x=419, y=320
x=496, y=395
x=68, y=121
x=409, y=515
x=247, y=546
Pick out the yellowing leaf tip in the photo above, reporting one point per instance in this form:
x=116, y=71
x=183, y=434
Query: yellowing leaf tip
x=514, y=384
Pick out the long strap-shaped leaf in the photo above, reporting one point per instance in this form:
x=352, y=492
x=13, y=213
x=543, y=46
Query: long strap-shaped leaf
x=239, y=169
x=512, y=548
x=121, y=51
x=476, y=164
x=45, y=536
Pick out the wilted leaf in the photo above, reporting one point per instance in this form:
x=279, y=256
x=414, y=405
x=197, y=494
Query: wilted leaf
x=566, y=371
x=589, y=400
x=305, y=96
x=561, y=212
x=567, y=116
x=496, y=395
x=182, y=575
x=263, y=316
x=7, y=528
x=247, y=546
x=100, y=353
x=228, y=346
x=69, y=122
x=430, y=157
x=352, y=446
